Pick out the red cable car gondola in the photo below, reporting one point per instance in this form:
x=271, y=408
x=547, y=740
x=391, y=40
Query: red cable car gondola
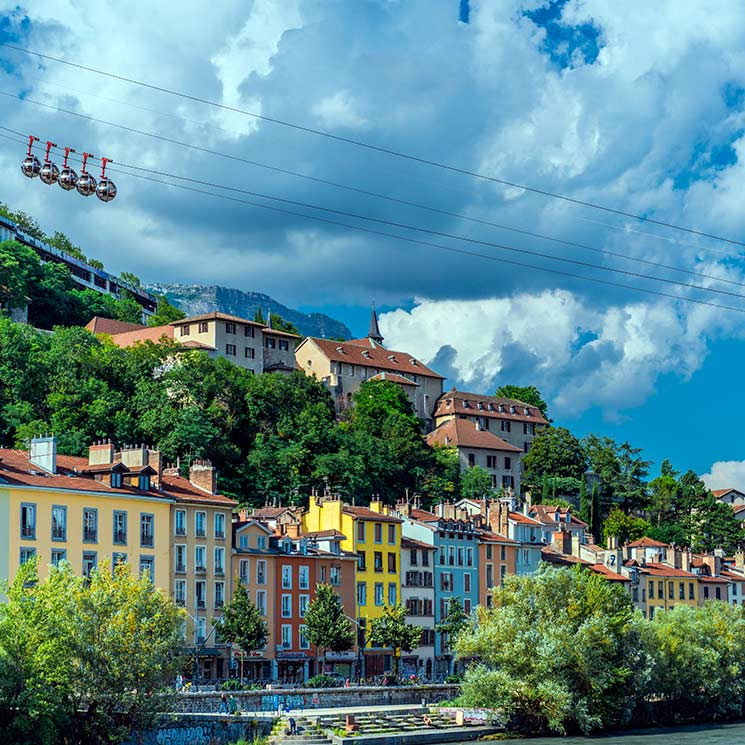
x=31, y=165
x=106, y=189
x=67, y=177
x=86, y=183
x=49, y=172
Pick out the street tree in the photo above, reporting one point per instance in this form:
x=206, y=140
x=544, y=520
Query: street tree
x=243, y=624
x=391, y=630
x=327, y=628
x=453, y=623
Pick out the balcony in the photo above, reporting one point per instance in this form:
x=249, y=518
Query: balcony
x=180, y=568
x=219, y=570
x=200, y=569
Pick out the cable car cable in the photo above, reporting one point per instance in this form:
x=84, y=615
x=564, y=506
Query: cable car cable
x=376, y=148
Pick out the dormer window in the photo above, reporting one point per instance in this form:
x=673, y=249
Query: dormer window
x=526, y=411
x=412, y=361
x=366, y=353
x=340, y=350
x=512, y=409
x=465, y=404
x=116, y=480
x=557, y=517
x=144, y=483
x=501, y=408
x=481, y=406
x=392, y=357
x=491, y=407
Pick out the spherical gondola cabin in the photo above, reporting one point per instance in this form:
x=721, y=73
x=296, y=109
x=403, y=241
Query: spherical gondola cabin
x=49, y=172
x=68, y=178
x=106, y=189
x=31, y=166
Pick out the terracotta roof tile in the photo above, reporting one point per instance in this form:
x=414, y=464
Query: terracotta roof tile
x=149, y=333
x=721, y=492
x=609, y=574
x=368, y=514
x=393, y=378
x=99, y=325
x=216, y=316
x=663, y=570
x=646, y=543
x=330, y=533
x=184, y=491
x=456, y=399
x=518, y=517
x=488, y=536
x=412, y=543
x=546, y=512
x=374, y=356
x=423, y=515
x=463, y=433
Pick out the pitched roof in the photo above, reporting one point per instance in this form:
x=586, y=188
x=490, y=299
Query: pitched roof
x=664, y=570
x=375, y=356
x=276, y=332
x=411, y=543
x=423, y=515
x=646, y=543
x=100, y=325
x=394, y=378
x=463, y=433
x=367, y=514
x=547, y=511
x=609, y=574
x=184, y=491
x=329, y=533
x=268, y=513
x=518, y=517
x=552, y=556
x=721, y=492
x=451, y=402
x=216, y=316
x=148, y=333
x=487, y=536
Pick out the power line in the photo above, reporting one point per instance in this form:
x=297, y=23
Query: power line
x=405, y=202
x=428, y=231
x=375, y=148
x=407, y=239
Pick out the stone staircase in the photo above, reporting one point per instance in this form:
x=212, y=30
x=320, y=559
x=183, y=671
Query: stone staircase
x=381, y=724
x=307, y=733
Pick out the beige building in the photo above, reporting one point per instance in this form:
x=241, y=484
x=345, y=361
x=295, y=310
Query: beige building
x=344, y=365
x=479, y=447
x=248, y=344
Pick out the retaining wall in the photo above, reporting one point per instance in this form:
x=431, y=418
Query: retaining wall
x=203, y=729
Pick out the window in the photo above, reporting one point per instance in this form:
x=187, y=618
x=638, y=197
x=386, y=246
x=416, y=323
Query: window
x=392, y=594
x=442, y=556
x=505, y=425
x=180, y=558
x=90, y=525
x=203, y=327
x=691, y=591
x=529, y=428
x=361, y=561
x=706, y=591
x=303, y=603
x=261, y=542
x=286, y=606
x=180, y=522
x=220, y=525
x=90, y=561
x=143, y=483
x=179, y=592
x=508, y=482
x=283, y=346
x=467, y=582
x=671, y=590
x=651, y=590
x=230, y=350
x=502, y=573
x=378, y=533
x=471, y=459
x=243, y=541
x=660, y=591
x=286, y=577
x=244, y=570
x=286, y=636
x=682, y=591
x=413, y=560
x=58, y=555
x=229, y=328
x=503, y=553
x=261, y=572
x=526, y=447
x=467, y=606
x=200, y=630
x=361, y=593
x=219, y=560
x=200, y=521
x=378, y=566
x=451, y=555
x=27, y=553
x=249, y=331
x=378, y=593
x=28, y=521
x=507, y=464
x=146, y=530
x=249, y=353
x=323, y=574
x=491, y=461
x=200, y=558
x=219, y=594
x=270, y=343
x=361, y=531
x=425, y=558
x=303, y=581
x=718, y=593
x=261, y=601
x=117, y=558
x=446, y=581
x=147, y=564
x=59, y=523
x=460, y=556
x=391, y=563
x=488, y=552
x=304, y=643
x=185, y=330
x=489, y=576
x=335, y=576
x=116, y=480
x=200, y=593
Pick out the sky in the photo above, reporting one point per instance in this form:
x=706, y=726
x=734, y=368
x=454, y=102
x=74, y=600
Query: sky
x=636, y=106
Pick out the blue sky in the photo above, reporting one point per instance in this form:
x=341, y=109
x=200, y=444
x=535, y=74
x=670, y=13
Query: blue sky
x=634, y=105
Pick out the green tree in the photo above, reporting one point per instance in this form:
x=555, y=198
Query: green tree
x=327, y=628
x=558, y=651
x=391, y=630
x=453, y=624
x=664, y=493
x=594, y=522
x=585, y=508
x=259, y=316
x=624, y=527
x=280, y=324
x=131, y=279
x=527, y=394
x=475, y=483
x=554, y=452
x=166, y=313
x=95, y=656
x=243, y=624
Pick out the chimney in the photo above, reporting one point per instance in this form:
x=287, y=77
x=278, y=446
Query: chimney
x=155, y=461
x=685, y=559
x=561, y=541
x=43, y=453
x=101, y=453
x=677, y=556
x=293, y=531
x=376, y=505
x=133, y=456
x=202, y=475
x=576, y=551
x=612, y=542
x=403, y=507
x=740, y=558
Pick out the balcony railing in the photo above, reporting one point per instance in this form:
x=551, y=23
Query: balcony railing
x=201, y=604
x=219, y=570
x=90, y=535
x=200, y=569
x=120, y=536
x=146, y=540
x=180, y=568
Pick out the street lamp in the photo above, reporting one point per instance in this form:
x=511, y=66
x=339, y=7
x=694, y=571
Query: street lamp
x=200, y=649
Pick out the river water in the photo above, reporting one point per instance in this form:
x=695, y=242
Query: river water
x=726, y=734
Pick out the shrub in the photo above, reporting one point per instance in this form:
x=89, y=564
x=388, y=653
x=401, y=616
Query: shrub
x=322, y=681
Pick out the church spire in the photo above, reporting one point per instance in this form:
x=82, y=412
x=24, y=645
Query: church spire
x=374, y=331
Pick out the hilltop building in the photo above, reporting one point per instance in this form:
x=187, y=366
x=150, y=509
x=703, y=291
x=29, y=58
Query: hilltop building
x=344, y=365
x=84, y=274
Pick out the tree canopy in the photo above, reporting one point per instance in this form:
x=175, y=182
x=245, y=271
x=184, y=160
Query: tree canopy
x=528, y=394
x=327, y=628
x=554, y=452
x=392, y=630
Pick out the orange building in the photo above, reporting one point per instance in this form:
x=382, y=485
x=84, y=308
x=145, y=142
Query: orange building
x=497, y=557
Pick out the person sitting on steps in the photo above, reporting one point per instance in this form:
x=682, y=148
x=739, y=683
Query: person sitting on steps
x=427, y=719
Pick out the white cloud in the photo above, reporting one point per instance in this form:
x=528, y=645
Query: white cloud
x=726, y=474
x=339, y=110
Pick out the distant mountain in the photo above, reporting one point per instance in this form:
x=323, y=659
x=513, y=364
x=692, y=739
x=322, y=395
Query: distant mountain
x=196, y=299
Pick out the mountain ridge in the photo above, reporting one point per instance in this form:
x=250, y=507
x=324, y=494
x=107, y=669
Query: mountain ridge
x=197, y=299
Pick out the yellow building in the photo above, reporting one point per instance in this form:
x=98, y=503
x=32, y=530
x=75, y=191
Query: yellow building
x=58, y=508
x=376, y=540
x=669, y=586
